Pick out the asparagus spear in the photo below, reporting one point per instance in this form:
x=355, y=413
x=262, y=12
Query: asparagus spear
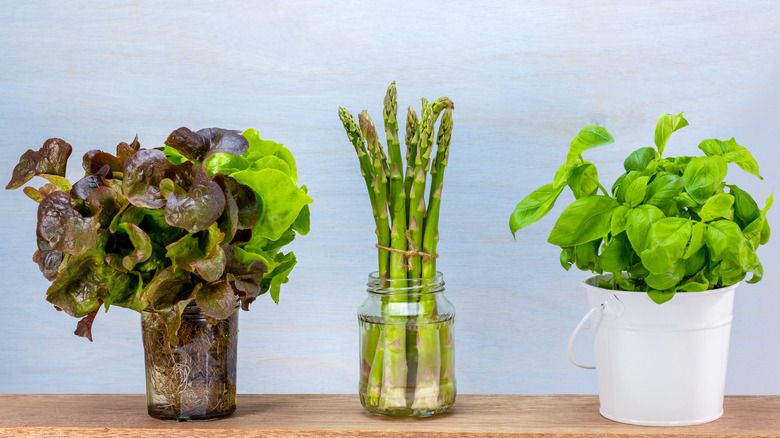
x=374, y=383
x=397, y=192
x=379, y=187
x=429, y=363
x=395, y=363
x=447, y=382
x=430, y=113
x=412, y=143
x=357, y=140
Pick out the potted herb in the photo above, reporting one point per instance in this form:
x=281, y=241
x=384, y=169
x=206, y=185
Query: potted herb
x=406, y=354
x=670, y=232
x=182, y=234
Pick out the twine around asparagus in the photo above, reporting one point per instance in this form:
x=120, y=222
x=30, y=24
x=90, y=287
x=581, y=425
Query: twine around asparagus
x=413, y=251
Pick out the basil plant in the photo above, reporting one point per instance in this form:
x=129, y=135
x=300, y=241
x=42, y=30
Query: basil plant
x=668, y=224
x=203, y=218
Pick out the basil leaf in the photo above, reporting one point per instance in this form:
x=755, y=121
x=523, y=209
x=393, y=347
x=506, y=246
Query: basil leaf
x=639, y=159
x=567, y=257
x=635, y=193
x=562, y=175
x=703, y=176
x=745, y=207
x=727, y=242
x=534, y=207
x=668, y=239
x=640, y=220
x=666, y=125
x=732, y=153
x=666, y=280
x=584, y=220
x=619, y=221
x=684, y=200
x=660, y=297
x=715, y=207
x=616, y=185
x=616, y=254
x=589, y=137
x=663, y=189
x=630, y=177
x=586, y=256
x=584, y=180
x=697, y=239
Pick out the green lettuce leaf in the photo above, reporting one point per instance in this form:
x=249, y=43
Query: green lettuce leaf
x=281, y=200
x=200, y=254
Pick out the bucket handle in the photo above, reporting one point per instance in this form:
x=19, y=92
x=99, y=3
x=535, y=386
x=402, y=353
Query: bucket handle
x=574, y=335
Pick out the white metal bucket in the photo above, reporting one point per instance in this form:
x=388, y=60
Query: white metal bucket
x=659, y=365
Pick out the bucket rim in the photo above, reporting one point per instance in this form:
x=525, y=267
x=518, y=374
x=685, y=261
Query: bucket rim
x=588, y=283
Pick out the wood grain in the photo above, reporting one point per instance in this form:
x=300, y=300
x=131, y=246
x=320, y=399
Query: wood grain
x=342, y=416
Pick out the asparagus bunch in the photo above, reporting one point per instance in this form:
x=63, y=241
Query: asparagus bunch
x=410, y=230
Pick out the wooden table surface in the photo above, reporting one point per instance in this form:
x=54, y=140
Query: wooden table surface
x=342, y=416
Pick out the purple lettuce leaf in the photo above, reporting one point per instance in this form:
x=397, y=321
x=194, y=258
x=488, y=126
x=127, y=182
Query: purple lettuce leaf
x=197, y=146
x=246, y=280
x=95, y=160
x=183, y=175
x=217, y=300
x=84, y=326
x=51, y=158
x=105, y=200
x=124, y=150
x=228, y=222
x=248, y=209
x=197, y=209
x=83, y=187
x=49, y=260
x=63, y=227
x=142, y=174
x=168, y=294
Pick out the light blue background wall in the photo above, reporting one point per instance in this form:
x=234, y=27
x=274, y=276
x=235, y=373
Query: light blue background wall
x=524, y=76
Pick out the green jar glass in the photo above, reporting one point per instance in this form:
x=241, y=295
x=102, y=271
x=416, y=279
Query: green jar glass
x=194, y=380
x=406, y=347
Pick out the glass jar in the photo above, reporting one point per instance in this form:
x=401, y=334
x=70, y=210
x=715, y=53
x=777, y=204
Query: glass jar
x=406, y=347
x=194, y=380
